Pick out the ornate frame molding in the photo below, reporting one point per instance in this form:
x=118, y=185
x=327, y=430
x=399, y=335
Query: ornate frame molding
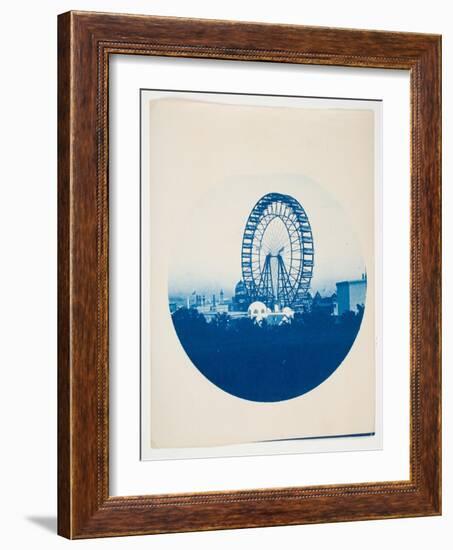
x=85, y=41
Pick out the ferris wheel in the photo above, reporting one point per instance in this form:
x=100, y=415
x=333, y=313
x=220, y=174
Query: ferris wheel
x=277, y=252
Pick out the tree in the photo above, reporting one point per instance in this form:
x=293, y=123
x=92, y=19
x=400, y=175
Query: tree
x=189, y=320
x=221, y=321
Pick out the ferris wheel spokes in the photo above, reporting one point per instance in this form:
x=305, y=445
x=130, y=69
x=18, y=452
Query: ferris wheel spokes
x=277, y=251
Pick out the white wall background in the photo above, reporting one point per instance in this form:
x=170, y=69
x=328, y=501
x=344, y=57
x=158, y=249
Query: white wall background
x=28, y=122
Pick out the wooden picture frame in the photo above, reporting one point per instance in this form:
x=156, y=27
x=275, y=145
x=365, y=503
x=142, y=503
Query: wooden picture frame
x=85, y=42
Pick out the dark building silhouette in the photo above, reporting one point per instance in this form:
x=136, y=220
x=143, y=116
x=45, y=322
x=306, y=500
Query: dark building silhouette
x=240, y=300
x=305, y=304
x=324, y=305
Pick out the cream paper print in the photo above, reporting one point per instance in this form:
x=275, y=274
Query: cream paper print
x=259, y=271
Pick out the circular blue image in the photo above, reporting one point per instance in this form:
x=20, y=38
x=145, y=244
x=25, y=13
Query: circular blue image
x=291, y=317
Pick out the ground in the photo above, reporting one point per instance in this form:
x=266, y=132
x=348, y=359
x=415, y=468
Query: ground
x=266, y=363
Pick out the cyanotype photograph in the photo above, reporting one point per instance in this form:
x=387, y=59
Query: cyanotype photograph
x=260, y=274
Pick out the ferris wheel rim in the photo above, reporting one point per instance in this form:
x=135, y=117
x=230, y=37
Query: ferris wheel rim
x=295, y=282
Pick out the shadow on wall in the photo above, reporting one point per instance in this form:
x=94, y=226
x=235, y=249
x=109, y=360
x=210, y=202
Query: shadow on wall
x=49, y=523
